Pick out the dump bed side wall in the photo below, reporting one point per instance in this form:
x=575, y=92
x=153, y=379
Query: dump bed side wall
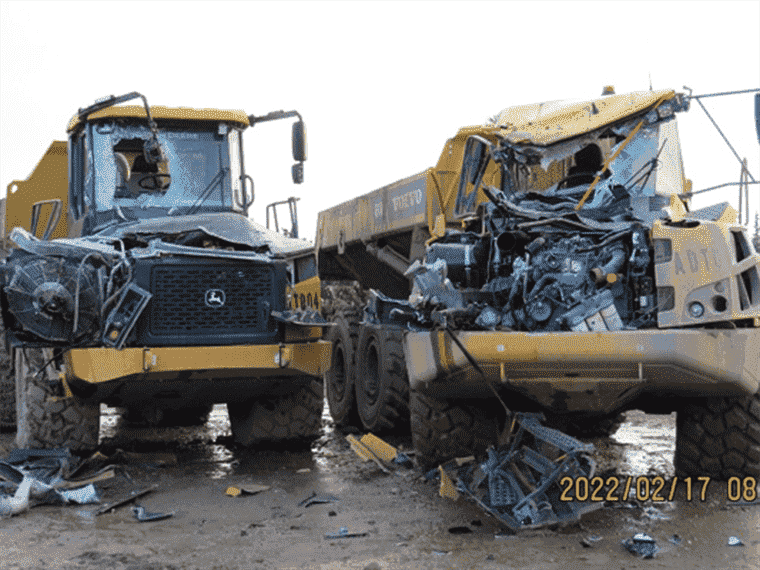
x=48, y=181
x=387, y=216
x=395, y=208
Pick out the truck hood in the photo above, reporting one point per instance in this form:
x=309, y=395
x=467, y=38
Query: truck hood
x=230, y=227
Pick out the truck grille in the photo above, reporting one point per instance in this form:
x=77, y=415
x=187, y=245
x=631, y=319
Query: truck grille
x=212, y=302
x=179, y=302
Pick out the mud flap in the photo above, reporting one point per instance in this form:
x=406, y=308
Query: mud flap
x=519, y=483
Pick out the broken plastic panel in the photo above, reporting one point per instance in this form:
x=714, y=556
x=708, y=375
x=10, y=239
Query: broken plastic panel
x=144, y=516
x=124, y=316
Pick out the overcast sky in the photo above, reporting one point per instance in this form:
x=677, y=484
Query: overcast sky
x=381, y=85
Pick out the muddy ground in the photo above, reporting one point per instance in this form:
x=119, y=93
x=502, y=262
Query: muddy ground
x=407, y=524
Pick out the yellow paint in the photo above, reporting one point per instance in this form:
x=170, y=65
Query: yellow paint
x=95, y=365
x=306, y=294
x=383, y=450
x=48, y=181
x=447, y=490
x=161, y=112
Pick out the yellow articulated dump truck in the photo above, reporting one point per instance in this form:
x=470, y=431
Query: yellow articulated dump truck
x=550, y=263
x=134, y=277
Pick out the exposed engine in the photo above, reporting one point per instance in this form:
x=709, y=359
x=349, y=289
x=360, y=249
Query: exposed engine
x=518, y=273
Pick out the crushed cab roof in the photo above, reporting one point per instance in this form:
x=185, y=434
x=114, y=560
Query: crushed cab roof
x=546, y=123
x=161, y=112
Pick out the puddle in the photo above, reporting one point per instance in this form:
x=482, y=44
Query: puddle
x=649, y=442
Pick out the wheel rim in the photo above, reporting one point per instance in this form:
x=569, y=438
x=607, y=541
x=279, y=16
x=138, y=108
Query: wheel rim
x=371, y=374
x=338, y=374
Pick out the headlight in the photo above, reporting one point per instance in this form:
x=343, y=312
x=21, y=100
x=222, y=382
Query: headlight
x=696, y=310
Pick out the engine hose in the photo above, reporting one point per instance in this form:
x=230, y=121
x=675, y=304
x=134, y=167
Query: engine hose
x=538, y=286
x=76, y=294
x=612, y=266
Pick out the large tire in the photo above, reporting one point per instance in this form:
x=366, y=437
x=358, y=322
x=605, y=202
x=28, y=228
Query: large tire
x=719, y=437
x=339, y=379
x=45, y=419
x=443, y=429
x=7, y=387
x=293, y=416
x=382, y=384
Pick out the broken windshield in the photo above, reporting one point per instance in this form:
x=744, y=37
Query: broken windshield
x=636, y=175
x=197, y=175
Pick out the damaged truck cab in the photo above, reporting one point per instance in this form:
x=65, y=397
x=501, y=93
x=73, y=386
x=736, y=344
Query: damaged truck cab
x=157, y=294
x=550, y=260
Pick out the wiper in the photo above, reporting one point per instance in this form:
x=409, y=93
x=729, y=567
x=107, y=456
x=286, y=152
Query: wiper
x=206, y=192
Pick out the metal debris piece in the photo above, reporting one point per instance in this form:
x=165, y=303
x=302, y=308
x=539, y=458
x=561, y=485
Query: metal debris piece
x=304, y=470
x=735, y=541
x=460, y=530
x=87, y=495
x=41, y=476
x=343, y=533
x=675, y=539
x=588, y=542
x=315, y=499
x=19, y=502
x=641, y=545
x=144, y=516
x=447, y=489
x=372, y=448
x=520, y=486
x=252, y=489
x=655, y=514
x=128, y=499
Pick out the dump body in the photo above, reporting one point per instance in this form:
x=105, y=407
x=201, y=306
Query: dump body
x=550, y=258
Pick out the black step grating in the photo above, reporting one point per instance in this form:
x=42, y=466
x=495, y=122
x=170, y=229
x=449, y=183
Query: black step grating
x=179, y=304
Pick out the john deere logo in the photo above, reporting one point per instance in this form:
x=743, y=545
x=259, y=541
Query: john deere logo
x=215, y=298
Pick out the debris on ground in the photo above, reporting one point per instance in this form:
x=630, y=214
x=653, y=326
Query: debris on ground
x=343, y=533
x=641, y=545
x=519, y=485
x=248, y=489
x=589, y=541
x=45, y=476
x=135, y=494
x=315, y=499
x=735, y=541
x=384, y=455
x=144, y=516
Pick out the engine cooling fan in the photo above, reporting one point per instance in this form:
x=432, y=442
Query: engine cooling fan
x=42, y=296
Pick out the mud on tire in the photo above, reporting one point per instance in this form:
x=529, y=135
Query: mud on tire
x=45, y=420
x=293, y=416
x=442, y=429
x=339, y=379
x=7, y=387
x=719, y=437
x=382, y=385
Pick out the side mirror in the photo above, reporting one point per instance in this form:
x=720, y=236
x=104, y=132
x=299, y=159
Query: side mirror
x=247, y=201
x=299, y=141
x=297, y=172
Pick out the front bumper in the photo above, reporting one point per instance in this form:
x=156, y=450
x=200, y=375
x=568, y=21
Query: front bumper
x=99, y=365
x=587, y=371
